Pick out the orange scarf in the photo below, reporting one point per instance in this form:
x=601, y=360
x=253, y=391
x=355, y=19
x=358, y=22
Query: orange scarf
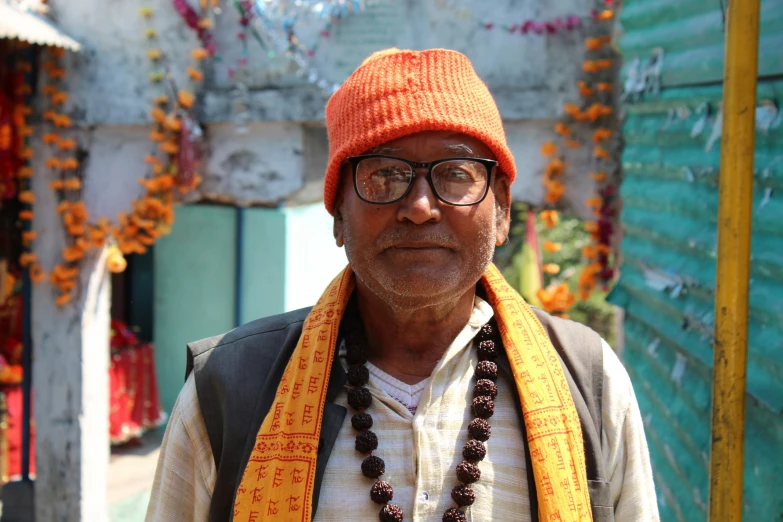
x=279, y=477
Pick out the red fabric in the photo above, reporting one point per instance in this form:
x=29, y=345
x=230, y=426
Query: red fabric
x=134, y=402
x=11, y=437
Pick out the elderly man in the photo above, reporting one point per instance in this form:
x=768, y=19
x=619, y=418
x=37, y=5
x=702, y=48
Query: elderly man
x=420, y=386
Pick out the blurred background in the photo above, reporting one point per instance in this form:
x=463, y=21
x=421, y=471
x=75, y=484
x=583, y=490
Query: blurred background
x=161, y=170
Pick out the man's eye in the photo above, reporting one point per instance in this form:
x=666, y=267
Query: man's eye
x=389, y=173
x=459, y=175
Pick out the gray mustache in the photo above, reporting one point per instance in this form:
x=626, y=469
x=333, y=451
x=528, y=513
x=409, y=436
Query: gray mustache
x=393, y=237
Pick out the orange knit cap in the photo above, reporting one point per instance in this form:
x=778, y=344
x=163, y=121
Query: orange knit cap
x=395, y=93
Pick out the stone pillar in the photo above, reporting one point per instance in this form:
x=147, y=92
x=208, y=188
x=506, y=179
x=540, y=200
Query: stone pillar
x=70, y=378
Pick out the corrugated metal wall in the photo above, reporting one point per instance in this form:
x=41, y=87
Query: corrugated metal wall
x=670, y=202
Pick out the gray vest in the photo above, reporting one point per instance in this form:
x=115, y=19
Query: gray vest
x=237, y=375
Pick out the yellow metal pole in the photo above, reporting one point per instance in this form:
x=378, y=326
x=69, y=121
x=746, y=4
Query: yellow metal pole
x=733, y=270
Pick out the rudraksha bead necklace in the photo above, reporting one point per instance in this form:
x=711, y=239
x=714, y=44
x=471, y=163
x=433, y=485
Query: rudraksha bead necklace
x=483, y=407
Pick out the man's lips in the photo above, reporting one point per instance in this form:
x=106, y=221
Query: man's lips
x=418, y=245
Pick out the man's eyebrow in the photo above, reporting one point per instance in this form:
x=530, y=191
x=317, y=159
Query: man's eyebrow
x=384, y=150
x=460, y=149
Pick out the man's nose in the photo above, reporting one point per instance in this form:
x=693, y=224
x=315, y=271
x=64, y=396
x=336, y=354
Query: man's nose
x=420, y=205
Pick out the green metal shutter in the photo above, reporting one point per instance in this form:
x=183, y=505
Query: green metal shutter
x=670, y=202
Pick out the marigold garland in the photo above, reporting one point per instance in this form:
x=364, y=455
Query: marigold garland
x=594, y=108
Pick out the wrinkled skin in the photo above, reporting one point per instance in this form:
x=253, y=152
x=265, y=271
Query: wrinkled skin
x=417, y=261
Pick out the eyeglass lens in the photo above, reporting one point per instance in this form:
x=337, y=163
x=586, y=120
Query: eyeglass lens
x=383, y=180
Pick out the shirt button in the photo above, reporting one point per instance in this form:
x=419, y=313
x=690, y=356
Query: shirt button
x=424, y=497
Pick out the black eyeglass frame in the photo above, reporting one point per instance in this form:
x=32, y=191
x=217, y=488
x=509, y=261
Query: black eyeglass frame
x=488, y=164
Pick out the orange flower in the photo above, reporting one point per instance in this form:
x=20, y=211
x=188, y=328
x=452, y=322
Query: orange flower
x=62, y=120
x=56, y=184
x=26, y=215
x=584, y=90
x=25, y=172
x=555, y=167
x=49, y=115
x=594, y=202
x=186, y=98
x=158, y=115
x=48, y=90
x=598, y=177
x=50, y=138
x=161, y=100
x=82, y=244
x=563, y=129
x=154, y=54
x=72, y=184
x=172, y=122
x=152, y=160
x=157, y=136
x=573, y=144
x=604, y=86
x=64, y=299
x=589, y=251
x=72, y=253
x=199, y=54
x=53, y=163
x=115, y=261
x=26, y=131
x=195, y=74
x=67, y=144
x=552, y=268
x=601, y=134
x=606, y=15
x=63, y=206
x=600, y=152
x=604, y=64
x=27, y=258
x=551, y=247
x=146, y=240
x=590, y=66
x=28, y=236
x=37, y=274
x=169, y=147
x=59, y=98
x=70, y=164
x=548, y=148
x=26, y=153
x=571, y=109
x=26, y=196
x=591, y=226
x=550, y=217
x=555, y=191
x=593, y=44
x=205, y=23
x=556, y=299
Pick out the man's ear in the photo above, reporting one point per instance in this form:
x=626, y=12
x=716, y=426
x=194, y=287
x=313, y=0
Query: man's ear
x=502, y=189
x=337, y=226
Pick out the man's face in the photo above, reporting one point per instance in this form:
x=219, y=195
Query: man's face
x=420, y=251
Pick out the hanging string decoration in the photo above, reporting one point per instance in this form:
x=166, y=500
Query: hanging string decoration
x=595, y=110
x=274, y=23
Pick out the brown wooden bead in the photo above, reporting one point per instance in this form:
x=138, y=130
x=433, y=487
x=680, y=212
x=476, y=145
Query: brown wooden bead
x=382, y=492
x=358, y=375
x=486, y=332
x=373, y=467
x=355, y=355
x=454, y=515
x=468, y=472
x=488, y=351
x=366, y=441
x=390, y=513
x=479, y=429
x=487, y=370
x=474, y=451
x=361, y=421
x=483, y=406
x=463, y=496
x=359, y=398
x=485, y=387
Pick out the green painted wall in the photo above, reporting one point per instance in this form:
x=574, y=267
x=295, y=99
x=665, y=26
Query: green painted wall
x=194, y=288
x=667, y=287
x=264, y=263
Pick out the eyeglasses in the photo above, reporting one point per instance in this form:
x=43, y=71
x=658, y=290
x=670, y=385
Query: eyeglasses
x=382, y=180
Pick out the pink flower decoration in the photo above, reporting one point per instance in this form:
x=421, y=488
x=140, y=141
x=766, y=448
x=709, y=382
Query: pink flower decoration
x=527, y=26
x=310, y=53
x=489, y=26
x=550, y=28
x=513, y=28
